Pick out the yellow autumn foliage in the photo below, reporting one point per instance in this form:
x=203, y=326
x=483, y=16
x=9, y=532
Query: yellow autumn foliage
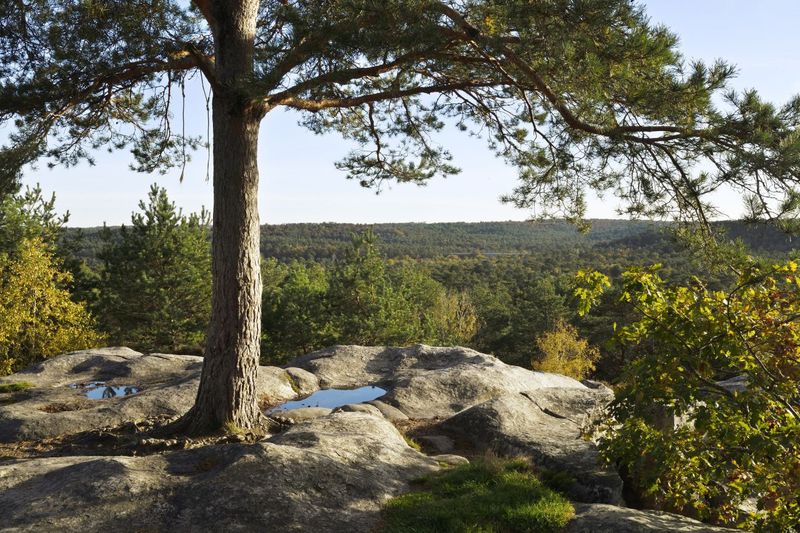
x=37, y=317
x=563, y=351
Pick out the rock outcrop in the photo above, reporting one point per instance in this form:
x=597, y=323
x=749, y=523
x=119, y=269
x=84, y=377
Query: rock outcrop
x=167, y=384
x=597, y=518
x=549, y=428
x=424, y=381
x=329, y=469
x=328, y=474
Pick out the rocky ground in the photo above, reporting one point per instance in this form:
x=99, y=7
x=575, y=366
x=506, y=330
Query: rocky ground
x=71, y=463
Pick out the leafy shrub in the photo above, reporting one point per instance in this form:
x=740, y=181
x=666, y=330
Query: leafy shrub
x=562, y=351
x=38, y=318
x=727, y=363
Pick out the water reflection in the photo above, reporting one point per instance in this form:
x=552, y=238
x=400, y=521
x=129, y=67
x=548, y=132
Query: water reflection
x=331, y=398
x=98, y=390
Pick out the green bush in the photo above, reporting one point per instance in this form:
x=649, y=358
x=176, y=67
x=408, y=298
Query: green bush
x=732, y=443
x=562, y=351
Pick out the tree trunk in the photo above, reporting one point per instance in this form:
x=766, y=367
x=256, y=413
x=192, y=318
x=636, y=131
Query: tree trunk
x=227, y=393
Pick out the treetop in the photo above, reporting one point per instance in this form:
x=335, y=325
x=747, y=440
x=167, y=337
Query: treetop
x=577, y=94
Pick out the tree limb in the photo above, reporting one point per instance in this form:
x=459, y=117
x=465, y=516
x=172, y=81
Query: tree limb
x=328, y=103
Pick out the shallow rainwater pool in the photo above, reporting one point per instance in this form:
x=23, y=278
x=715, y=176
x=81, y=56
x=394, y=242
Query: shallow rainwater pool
x=331, y=398
x=98, y=390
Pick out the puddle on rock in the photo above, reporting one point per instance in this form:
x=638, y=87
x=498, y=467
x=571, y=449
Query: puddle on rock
x=332, y=398
x=98, y=390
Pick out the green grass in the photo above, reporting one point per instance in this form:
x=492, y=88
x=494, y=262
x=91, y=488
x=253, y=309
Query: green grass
x=292, y=383
x=15, y=387
x=486, y=496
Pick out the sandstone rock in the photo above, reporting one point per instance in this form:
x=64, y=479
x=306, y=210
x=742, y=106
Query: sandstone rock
x=168, y=386
x=450, y=459
x=391, y=413
x=424, y=381
x=304, y=382
x=547, y=426
x=303, y=413
x=436, y=443
x=327, y=474
x=329, y=471
x=594, y=518
x=359, y=408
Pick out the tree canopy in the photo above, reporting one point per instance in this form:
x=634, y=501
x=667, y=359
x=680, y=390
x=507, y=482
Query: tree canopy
x=575, y=93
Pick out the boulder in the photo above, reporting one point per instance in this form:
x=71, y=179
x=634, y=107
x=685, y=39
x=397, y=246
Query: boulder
x=304, y=382
x=424, y=381
x=327, y=474
x=548, y=426
x=436, y=443
x=359, y=408
x=303, y=413
x=449, y=459
x=593, y=518
x=391, y=413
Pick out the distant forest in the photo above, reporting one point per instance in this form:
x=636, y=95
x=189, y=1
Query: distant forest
x=557, y=243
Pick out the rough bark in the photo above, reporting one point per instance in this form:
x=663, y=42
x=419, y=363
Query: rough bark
x=227, y=392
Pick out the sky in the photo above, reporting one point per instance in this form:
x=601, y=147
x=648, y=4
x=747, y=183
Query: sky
x=299, y=182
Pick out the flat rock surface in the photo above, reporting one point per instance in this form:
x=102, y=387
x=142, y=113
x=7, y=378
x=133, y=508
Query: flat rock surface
x=167, y=386
x=425, y=381
x=326, y=474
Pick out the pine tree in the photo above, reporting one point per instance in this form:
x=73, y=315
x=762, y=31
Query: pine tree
x=156, y=281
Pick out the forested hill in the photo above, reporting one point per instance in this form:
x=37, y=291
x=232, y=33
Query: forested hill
x=326, y=240
x=322, y=241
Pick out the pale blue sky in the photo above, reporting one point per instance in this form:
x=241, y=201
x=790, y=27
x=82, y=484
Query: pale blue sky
x=300, y=184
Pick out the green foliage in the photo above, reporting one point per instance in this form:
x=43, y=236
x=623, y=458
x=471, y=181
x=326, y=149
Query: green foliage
x=518, y=290
x=367, y=304
x=541, y=81
x=549, y=243
x=588, y=288
x=156, y=280
x=738, y=438
x=37, y=317
x=562, y=351
x=484, y=496
x=28, y=215
x=360, y=299
x=15, y=386
x=295, y=310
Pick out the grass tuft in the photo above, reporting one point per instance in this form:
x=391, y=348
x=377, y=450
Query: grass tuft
x=292, y=383
x=231, y=428
x=412, y=443
x=15, y=387
x=486, y=496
